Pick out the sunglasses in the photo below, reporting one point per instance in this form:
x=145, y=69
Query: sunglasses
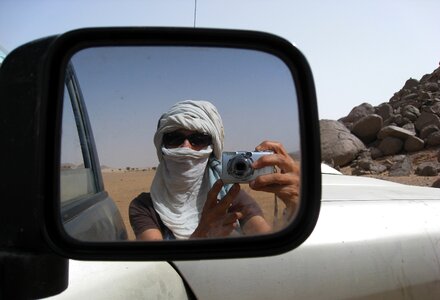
x=175, y=139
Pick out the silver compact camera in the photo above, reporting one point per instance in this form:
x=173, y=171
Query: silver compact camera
x=237, y=166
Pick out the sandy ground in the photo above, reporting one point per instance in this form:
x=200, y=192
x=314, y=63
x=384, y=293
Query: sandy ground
x=124, y=186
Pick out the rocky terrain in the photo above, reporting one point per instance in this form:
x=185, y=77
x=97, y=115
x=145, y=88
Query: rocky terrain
x=398, y=140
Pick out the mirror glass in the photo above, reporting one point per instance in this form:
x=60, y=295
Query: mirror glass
x=113, y=100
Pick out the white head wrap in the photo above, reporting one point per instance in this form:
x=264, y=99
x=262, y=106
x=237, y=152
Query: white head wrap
x=182, y=179
x=199, y=116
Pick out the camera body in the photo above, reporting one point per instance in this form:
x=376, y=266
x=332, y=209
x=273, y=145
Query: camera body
x=237, y=166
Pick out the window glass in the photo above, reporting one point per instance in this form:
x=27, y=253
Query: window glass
x=76, y=177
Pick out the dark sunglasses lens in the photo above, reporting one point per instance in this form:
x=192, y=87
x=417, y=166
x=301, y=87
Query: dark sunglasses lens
x=200, y=139
x=173, y=139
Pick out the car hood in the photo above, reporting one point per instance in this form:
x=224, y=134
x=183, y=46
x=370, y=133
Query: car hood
x=374, y=239
x=355, y=188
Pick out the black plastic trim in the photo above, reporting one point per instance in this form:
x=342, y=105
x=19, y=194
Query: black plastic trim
x=189, y=291
x=292, y=236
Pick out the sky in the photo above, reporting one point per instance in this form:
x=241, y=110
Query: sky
x=359, y=51
x=127, y=89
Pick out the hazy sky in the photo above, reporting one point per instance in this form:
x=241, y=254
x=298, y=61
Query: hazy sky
x=359, y=51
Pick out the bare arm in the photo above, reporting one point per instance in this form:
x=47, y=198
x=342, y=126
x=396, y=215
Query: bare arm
x=256, y=225
x=150, y=235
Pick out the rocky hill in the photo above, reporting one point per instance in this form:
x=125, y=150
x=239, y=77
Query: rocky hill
x=397, y=138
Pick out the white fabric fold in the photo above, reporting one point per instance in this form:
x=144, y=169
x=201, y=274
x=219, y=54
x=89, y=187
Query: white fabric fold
x=180, y=188
x=182, y=179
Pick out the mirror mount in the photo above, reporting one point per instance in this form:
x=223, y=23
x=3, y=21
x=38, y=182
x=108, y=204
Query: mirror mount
x=29, y=267
x=32, y=275
x=33, y=92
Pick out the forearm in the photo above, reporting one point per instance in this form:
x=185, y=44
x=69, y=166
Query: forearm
x=256, y=225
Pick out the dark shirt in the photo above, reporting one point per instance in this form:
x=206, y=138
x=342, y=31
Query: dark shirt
x=143, y=216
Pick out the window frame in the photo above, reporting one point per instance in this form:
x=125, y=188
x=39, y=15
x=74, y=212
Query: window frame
x=73, y=207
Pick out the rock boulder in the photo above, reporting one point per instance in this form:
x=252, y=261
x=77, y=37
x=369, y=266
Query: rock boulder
x=338, y=146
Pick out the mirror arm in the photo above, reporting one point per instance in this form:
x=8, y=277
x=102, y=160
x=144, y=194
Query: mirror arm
x=31, y=276
x=28, y=267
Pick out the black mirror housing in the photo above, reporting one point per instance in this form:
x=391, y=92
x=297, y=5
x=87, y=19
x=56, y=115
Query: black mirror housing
x=31, y=86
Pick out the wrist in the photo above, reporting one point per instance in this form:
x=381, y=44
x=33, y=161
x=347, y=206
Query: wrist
x=199, y=233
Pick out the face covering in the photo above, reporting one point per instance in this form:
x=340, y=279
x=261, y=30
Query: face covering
x=180, y=188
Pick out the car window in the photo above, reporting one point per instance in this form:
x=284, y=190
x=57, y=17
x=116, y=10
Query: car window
x=77, y=178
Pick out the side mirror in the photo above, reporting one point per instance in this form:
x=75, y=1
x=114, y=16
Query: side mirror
x=93, y=97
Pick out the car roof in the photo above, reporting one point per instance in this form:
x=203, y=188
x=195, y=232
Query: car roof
x=326, y=169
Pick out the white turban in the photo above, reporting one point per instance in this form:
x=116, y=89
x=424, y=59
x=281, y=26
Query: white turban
x=199, y=116
x=184, y=176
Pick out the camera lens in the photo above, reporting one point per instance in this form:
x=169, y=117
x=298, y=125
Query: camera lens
x=240, y=167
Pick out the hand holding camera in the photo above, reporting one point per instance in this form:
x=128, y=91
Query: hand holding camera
x=237, y=166
x=270, y=169
x=285, y=183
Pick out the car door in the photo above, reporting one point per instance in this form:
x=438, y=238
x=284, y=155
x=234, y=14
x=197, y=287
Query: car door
x=87, y=210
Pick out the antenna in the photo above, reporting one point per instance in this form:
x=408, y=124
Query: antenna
x=195, y=12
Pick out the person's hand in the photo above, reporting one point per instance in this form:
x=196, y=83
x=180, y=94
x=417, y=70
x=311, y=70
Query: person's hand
x=285, y=183
x=216, y=221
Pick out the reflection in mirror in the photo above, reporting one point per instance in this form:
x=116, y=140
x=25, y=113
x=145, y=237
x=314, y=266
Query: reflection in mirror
x=224, y=163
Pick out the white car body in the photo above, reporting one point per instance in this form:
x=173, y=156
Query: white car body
x=122, y=280
x=374, y=239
